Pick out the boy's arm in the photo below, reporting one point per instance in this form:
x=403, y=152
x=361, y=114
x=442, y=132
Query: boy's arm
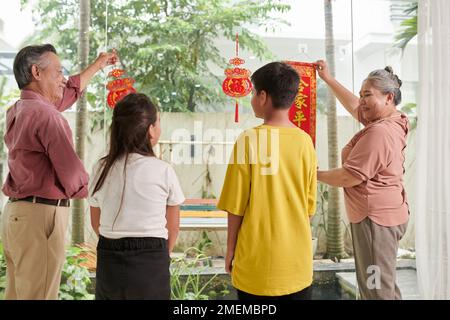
x=234, y=224
x=312, y=194
x=235, y=196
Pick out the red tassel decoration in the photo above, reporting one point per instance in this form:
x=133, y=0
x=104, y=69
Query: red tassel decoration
x=237, y=83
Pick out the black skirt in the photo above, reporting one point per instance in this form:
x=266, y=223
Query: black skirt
x=132, y=269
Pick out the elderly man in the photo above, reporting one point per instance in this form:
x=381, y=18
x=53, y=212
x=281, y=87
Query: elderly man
x=44, y=171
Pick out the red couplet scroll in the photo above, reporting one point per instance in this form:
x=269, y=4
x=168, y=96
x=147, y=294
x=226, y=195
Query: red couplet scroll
x=303, y=111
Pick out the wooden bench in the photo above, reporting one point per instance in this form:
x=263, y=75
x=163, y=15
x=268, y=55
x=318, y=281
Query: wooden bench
x=198, y=214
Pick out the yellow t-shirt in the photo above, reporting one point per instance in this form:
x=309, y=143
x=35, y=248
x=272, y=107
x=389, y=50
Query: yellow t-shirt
x=271, y=181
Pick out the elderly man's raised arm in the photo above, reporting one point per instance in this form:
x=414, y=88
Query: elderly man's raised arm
x=78, y=83
x=72, y=93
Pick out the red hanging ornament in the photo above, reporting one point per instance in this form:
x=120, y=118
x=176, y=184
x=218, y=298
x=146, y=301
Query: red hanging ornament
x=237, y=83
x=118, y=87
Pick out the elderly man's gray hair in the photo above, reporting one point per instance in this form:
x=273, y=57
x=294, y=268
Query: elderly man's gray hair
x=25, y=59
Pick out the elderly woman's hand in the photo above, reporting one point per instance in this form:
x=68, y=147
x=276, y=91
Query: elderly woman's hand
x=322, y=69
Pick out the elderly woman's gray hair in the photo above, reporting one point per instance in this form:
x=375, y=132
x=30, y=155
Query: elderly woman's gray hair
x=386, y=81
x=26, y=58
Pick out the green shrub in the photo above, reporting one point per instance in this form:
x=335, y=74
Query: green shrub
x=185, y=281
x=2, y=272
x=75, y=279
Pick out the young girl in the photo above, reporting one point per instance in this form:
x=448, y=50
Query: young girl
x=134, y=199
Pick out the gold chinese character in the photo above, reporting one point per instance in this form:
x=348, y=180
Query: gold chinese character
x=302, y=85
x=299, y=118
x=300, y=101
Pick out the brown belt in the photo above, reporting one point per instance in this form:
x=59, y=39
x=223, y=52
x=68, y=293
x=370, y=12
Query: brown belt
x=51, y=202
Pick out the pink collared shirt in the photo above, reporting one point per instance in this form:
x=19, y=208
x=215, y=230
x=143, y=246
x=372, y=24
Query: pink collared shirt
x=41, y=158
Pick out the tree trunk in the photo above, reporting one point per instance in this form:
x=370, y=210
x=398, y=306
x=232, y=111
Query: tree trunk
x=81, y=120
x=191, y=102
x=335, y=241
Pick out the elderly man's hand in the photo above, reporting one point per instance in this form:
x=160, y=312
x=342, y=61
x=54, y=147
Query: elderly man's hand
x=105, y=59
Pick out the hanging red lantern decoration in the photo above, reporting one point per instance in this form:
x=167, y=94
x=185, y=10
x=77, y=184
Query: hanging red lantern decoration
x=237, y=83
x=119, y=87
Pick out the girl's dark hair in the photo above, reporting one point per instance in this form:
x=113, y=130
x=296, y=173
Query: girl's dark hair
x=132, y=116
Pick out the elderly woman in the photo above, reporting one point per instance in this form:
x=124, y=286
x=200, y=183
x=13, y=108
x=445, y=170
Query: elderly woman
x=372, y=178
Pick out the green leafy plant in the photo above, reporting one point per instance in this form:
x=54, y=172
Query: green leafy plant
x=2, y=273
x=204, y=244
x=75, y=278
x=185, y=276
x=409, y=26
x=190, y=277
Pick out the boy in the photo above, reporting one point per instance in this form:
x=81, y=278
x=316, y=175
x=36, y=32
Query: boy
x=270, y=193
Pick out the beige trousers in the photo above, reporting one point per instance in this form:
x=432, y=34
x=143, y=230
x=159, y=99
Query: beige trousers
x=375, y=249
x=34, y=246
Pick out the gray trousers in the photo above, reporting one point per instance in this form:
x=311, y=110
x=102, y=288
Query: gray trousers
x=375, y=249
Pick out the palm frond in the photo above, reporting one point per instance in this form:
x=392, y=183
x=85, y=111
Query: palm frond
x=409, y=27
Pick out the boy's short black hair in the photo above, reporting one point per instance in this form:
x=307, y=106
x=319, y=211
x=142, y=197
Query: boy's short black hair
x=280, y=81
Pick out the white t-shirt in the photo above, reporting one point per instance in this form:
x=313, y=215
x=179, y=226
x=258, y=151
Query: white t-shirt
x=151, y=185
